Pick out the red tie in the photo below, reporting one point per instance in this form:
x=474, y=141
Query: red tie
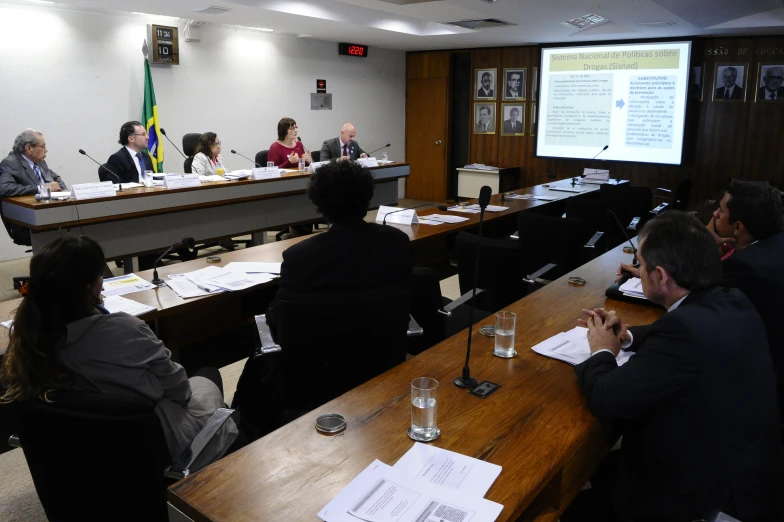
x=344, y=150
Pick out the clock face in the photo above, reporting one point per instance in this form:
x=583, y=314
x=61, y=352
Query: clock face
x=165, y=45
x=350, y=49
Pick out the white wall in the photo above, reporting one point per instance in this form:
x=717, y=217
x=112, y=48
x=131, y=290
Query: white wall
x=78, y=76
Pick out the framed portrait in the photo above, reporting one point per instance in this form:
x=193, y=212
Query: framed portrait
x=513, y=123
x=770, y=82
x=535, y=84
x=696, y=77
x=729, y=82
x=533, y=119
x=485, y=84
x=514, y=84
x=484, y=118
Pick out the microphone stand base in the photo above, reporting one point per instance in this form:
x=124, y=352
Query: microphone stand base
x=466, y=383
x=157, y=281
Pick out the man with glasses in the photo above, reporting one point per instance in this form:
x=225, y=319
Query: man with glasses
x=129, y=162
x=772, y=90
x=24, y=169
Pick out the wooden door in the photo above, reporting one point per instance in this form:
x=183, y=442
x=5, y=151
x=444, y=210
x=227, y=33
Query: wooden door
x=426, y=137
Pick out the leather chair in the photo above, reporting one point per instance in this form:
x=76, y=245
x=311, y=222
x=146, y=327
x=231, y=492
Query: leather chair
x=100, y=457
x=189, y=143
x=628, y=203
x=563, y=242
x=678, y=199
x=261, y=157
x=315, y=155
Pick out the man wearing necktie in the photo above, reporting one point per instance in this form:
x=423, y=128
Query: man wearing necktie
x=24, y=169
x=130, y=161
x=730, y=90
x=772, y=90
x=485, y=123
x=513, y=125
x=342, y=147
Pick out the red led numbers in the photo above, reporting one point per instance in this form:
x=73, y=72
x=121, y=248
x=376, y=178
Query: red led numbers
x=356, y=50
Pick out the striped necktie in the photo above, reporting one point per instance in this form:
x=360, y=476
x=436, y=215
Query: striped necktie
x=38, y=173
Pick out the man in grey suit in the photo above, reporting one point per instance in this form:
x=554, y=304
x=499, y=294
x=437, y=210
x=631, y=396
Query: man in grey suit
x=343, y=146
x=24, y=168
x=485, y=123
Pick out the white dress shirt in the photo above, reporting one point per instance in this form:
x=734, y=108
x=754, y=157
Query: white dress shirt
x=133, y=153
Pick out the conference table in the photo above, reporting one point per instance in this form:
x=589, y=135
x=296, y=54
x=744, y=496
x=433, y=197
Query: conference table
x=537, y=426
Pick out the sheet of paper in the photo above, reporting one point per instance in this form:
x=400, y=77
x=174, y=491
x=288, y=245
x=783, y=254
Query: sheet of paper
x=7, y=324
x=633, y=286
x=397, y=215
x=382, y=494
x=447, y=468
x=444, y=218
x=467, y=210
x=125, y=284
x=567, y=189
x=425, y=221
x=128, y=185
x=61, y=194
x=490, y=208
x=531, y=196
x=572, y=347
x=253, y=267
x=213, y=276
x=187, y=289
x=211, y=178
x=117, y=304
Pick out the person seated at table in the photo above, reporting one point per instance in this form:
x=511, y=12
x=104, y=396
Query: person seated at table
x=129, y=162
x=208, y=161
x=62, y=338
x=24, y=169
x=342, y=147
x=287, y=150
x=696, y=403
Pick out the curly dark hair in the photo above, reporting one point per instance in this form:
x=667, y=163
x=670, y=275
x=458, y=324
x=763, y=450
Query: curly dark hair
x=283, y=127
x=341, y=190
x=757, y=205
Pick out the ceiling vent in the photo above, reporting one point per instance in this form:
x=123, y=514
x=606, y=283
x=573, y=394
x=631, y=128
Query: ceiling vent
x=581, y=22
x=484, y=23
x=657, y=24
x=213, y=10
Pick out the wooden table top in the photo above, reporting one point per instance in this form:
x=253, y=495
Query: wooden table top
x=534, y=426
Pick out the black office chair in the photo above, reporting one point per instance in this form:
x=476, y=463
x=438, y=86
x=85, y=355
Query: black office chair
x=332, y=343
x=678, y=199
x=261, y=157
x=20, y=236
x=315, y=155
x=100, y=457
x=189, y=143
x=433, y=313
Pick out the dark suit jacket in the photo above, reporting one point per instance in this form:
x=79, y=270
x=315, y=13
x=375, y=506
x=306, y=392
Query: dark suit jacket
x=480, y=93
x=508, y=127
x=122, y=164
x=761, y=94
x=737, y=93
x=17, y=178
x=757, y=272
x=697, y=408
x=351, y=256
x=331, y=149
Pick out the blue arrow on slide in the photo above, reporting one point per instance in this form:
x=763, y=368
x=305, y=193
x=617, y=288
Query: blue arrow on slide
x=619, y=103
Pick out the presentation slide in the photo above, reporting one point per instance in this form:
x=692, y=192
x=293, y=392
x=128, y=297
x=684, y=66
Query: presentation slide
x=631, y=97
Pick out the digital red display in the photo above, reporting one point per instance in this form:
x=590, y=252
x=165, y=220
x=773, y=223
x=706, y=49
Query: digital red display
x=356, y=50
x=350, y=49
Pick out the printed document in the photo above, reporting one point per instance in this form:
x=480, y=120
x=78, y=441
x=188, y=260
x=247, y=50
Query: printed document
x=632, y=287
x=531, y=196
x=252, y=268
x=213, y=276
x=443, y=218
x=447, y=468
x=572, y=347
x=383, y=494
x=187, y=289
x=116, y=304
x=125, y=284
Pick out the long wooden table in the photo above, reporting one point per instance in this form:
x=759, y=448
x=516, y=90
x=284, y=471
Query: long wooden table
x=536, y=426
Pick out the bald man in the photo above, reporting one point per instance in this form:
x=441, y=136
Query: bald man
x=342, y=147
x=772, y=90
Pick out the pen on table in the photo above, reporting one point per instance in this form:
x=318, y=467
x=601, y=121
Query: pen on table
x=202, y=288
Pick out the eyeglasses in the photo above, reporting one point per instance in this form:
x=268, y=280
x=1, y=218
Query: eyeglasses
x=142, y=134
x=216, y=144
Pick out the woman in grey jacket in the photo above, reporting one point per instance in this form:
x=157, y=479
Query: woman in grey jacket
x=63, y=338
x=208, y=161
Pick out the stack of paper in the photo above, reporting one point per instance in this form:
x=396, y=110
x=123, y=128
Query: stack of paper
x=132, y=184
x=596, y=176
x=531, y=196
x=125, y=284
x=117, y=304
x=632, y=288
x=208, y=179
x=480, y=166
x=466, y=209
x=443, y=218
x=238, y=174
x=213, y=279
x=427, y=484
x=254, y=267
x=572, y=347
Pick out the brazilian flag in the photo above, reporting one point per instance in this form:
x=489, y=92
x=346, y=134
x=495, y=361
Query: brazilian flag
x=151, y=121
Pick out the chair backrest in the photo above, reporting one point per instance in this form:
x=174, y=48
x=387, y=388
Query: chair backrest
x=500, y=270
x=188, y=165
x=261, y=158
x=315, y=155
x=552, y=239
x=333, y=342
x=189, y=143
x=94, y=456
x=682, y=194
x=426, y=300
x=627, y=201
x=19, y=235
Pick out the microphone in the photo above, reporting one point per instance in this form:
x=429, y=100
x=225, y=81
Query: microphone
x=103, y=166
x=173, y=145
x=439, y=207
x=186, y=242
x=635, y=262
x=378, y=149
x=466, y=381
x=604, y=149
x=247, y=158
x=303, y=146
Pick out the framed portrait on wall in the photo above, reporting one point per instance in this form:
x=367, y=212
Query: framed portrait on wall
x=514, y=84
x=484, y=118
x=513, y=119
x=533, y=119
x=696, y=76
x=769, y=82
x=729, y=82
x=485, y=84
x=535, y=84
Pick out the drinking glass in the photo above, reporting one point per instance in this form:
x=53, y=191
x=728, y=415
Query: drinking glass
x=424, y=409
x=301, y=165
x=147, y=178
x=45, y=191
x=505, y=334
x=220, y=170
x=385, y=157
x=270, y=164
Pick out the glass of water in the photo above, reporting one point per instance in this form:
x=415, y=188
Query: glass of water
x=270, y=164
x=505, y=334
x=147, y=178
x=424, y=409
x=45, y=191
x=301, y=165
x=384, y=157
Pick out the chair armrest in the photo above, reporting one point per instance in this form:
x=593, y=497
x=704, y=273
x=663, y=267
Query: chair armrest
x=14, y=441
x=268, y=345
x=515, y=236
x=633, y=223
x=539, y=273
x=594, y=239
x=447, y=310
x=413, y=327
x=181, y=467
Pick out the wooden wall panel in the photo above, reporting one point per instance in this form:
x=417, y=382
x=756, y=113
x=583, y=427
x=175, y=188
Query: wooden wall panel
x=483, y=148
x=427, y=65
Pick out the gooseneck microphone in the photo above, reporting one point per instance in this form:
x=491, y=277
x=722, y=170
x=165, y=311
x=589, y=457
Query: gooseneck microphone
x=442, y=208
x=186, y=242
x=466, y=381
x=247, y=158
x=104, y=167
x=604, y=149
x=173, y=145
x=635, y=262
x=378, y=149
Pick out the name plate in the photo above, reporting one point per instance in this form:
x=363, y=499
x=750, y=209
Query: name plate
x=174, y=181
x=368, y=162
x=315, y=165
x=102, y=189
x=397, y=215
x=265, y=173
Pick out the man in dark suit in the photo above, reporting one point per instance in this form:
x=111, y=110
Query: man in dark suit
x=772, y=90
x=343, y=146
x=730, y=90
x=486, y=90
x=513, y=124
x=696, y=403
x=129, y=162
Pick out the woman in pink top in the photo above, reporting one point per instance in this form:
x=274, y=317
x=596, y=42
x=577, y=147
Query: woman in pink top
x=287, y=151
